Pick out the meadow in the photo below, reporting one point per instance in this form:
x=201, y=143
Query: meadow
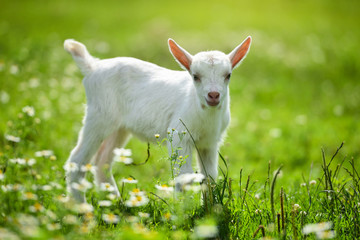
x=290, y=161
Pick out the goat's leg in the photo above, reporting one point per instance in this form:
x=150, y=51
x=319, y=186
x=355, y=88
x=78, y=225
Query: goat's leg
x=208, y=162
x=104, y=157
x=90, y=138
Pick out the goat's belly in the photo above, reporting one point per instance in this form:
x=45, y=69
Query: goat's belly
x=148, y=136
x=147, y=129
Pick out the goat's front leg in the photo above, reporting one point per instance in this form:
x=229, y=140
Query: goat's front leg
x=208, y=162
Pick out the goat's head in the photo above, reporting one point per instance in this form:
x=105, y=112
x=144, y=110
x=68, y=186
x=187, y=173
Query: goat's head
x=211, y=71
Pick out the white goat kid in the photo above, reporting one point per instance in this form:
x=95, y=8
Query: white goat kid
x=127, y=96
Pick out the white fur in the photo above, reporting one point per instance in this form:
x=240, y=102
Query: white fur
x=127, y=96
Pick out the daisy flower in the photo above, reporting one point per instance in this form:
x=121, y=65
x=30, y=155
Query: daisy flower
x=167, y=216
x=111, y=196
x=27, y=220
x=296, y=206
x=17, y=187
x=62, y=198
x=164, y=187
x=44, y=153
x=110, y=218
x=2, y=176
x=12, y=138
x=172, y=131
x=83, y=208
x=71, y=167
x=30, y=111
x=164, y=190
x=29, y=196
x=53, y=226
x=137, y=201
x=122, y=152
x=37, y=207
x=206, y=231
x=13, y=160
x=326, y=234
x=30, y=161
x=132, y=219
x=123, y=159
x=316, y=227
x=129, y=180
x=70, y=219
x=82, y=186
x=46, y=187
x=6, y=234
x=88, y=168
x=23, y=161
x=6, y=188
x=144, y=215
x=122, y=155
x=56, y=185
x=312, y=182
x=107, y=187
x=137, y=198
x=189, y=178
x=14, y=69
x=51, y=215
x=136, y=191
x=105, y=203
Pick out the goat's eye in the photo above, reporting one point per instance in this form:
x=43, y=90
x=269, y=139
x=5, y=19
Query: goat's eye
x=196, y=78
x=228, y=77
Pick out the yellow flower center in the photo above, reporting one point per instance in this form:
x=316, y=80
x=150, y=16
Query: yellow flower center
x=29, y=195
x=136, y=190
x=37, y=206
x=167, y=216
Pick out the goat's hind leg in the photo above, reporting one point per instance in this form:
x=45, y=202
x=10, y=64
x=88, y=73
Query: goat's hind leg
x=104, y=158
x=90, y=138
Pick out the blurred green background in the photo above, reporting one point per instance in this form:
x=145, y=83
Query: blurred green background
x=297, y=91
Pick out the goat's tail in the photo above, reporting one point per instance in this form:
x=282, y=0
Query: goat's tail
x=80, y=55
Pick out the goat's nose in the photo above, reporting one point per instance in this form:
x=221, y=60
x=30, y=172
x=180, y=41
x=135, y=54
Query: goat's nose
x=214, y=96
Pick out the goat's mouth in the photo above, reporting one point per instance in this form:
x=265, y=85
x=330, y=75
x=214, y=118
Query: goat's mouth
x=212, y=103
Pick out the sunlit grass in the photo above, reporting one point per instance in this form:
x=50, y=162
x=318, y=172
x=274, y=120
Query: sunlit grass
x=37, y=205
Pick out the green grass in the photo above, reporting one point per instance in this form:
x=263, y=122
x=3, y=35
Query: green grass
x=296, y=93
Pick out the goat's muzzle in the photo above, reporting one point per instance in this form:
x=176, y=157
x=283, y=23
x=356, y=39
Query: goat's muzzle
x=213, y=98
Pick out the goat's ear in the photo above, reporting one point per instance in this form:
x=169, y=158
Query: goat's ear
x=239, y=52
x=180, y=54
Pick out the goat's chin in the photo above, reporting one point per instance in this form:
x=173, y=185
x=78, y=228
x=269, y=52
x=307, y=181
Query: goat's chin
x=212, y=104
